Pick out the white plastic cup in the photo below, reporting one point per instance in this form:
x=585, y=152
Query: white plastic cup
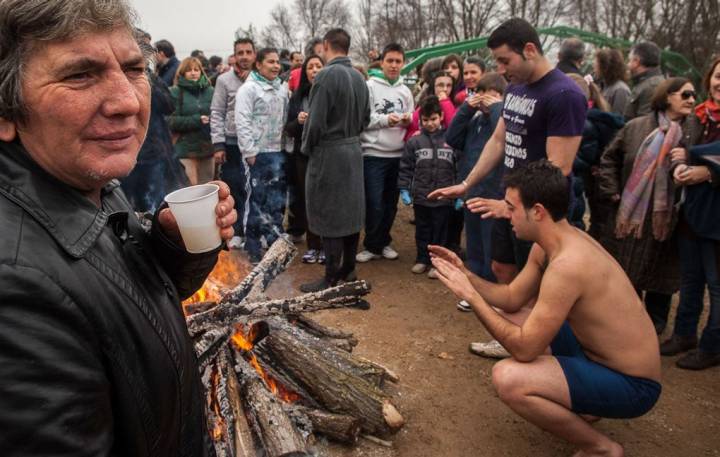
x=194, y=211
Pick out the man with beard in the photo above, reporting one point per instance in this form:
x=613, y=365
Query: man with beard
x=222, y=128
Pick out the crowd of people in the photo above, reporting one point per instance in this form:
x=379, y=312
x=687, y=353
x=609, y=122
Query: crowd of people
x=547, y=169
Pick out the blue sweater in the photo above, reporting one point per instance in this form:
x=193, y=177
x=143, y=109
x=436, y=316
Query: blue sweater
x=468, y=132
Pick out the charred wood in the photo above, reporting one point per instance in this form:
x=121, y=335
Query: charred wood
x=337, y=427
x=342, y=360
x=339, y=338
x=274, y=262
x=199, y=307
x=267, y=417
x=210, y=344
x=244, y=442
x=342, y=296
x=338, y=391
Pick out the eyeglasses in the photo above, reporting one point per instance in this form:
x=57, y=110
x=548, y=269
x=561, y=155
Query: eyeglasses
x=686, y=94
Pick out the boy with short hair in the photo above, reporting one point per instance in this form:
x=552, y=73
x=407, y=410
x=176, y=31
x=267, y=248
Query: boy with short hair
x=427, y=163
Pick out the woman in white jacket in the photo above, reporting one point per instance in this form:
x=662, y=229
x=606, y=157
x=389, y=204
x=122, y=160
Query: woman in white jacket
x=260, y=112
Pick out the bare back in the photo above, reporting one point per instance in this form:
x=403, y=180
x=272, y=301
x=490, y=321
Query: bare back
x=608, y=319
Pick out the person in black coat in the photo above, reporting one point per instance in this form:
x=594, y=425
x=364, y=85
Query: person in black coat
x=297, y=165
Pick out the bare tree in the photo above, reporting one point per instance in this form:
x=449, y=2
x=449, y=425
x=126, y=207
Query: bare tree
x=282, y=32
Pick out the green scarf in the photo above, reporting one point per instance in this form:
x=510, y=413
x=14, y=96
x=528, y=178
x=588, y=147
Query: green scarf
x=275, y=83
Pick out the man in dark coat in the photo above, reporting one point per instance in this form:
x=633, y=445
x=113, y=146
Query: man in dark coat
x=94, y=349
x=335, y=197
x=167, y=63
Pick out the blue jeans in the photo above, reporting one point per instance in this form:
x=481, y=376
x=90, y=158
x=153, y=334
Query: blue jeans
x=145, y=185
x=233, y=173
x=699, y=259
x=267, y=201
x=381, y=198
x=478, y=245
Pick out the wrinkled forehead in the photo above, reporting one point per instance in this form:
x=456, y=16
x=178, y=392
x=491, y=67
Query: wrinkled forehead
x=101, y=47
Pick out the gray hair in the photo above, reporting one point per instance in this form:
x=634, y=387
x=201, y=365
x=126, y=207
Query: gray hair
x=25, y=23
x=572, y=49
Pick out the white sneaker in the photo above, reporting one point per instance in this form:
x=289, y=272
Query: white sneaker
x=235, y=242
x=366, y=256
x=433, y=273
x=390, y=253
x=492, y=349
x=419, y=268
x=464, y=306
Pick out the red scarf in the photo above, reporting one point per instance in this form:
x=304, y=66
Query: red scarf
x=708, y=109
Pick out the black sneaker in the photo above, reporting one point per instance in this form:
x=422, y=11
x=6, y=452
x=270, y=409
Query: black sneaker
x=315, y=286
x=677, y=344
x=698, y=360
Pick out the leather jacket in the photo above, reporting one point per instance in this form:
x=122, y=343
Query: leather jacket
x=95, y=357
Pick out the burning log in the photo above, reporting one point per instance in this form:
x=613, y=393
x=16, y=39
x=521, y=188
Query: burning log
x=267, y=417
x=338, y=391
x=274, y=262
x=342, y=360
x=337, y=427
x=342, y=340
x=210, y=344
x=228, y=313
x=199, y=307
x=244, y=443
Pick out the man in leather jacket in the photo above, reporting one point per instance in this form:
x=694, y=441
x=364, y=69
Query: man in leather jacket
x=95, y=358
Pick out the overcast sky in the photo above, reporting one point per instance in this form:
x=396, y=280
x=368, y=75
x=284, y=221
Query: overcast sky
x=201, y=24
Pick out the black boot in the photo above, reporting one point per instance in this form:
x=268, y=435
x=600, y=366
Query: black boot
x=677, y=344
x=316, y=286
x=698, y=360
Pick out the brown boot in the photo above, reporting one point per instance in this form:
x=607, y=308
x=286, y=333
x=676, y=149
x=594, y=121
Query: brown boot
x=677, y=344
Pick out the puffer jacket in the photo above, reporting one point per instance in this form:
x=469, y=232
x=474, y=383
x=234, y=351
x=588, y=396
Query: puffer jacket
x=95, y=354
x=428, y=163
x=260, y=115
x=192, y=99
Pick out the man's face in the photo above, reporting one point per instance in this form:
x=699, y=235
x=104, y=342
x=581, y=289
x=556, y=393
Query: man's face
x=297, y=60
x=244, y=56
x=392, y=64
x=88, y=102
x=319, y=50
x=634, y=64
x=431, y=123
x=519, y=217
x=512, y=65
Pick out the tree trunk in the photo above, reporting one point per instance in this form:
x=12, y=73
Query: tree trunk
x=336, y=390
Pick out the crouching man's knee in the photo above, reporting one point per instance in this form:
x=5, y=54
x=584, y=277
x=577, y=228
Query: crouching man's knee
x=509, y=379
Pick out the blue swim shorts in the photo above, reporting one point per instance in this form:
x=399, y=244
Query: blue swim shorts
x=598, y=390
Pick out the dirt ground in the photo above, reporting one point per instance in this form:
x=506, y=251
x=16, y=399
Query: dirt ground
x=445, y=393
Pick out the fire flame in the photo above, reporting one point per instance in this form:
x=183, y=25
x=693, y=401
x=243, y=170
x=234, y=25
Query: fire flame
x=229, y=271
x=244, y=341
x=218, y=430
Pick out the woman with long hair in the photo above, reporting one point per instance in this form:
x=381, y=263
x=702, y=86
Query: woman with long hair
x=453, y=65
x=634, y=174
x=600, y=128
x=610, y=72
x=297, y=115
x=698, y=171
x=190, y=123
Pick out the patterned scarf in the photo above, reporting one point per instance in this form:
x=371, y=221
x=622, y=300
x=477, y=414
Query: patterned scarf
x=650, y=177
x=275, y=83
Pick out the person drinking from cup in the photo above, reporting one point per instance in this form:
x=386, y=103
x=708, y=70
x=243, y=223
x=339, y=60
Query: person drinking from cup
x=260, y=112
x=94, y=347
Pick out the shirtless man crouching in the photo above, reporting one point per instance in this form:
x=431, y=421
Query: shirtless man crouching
x=605, y=359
